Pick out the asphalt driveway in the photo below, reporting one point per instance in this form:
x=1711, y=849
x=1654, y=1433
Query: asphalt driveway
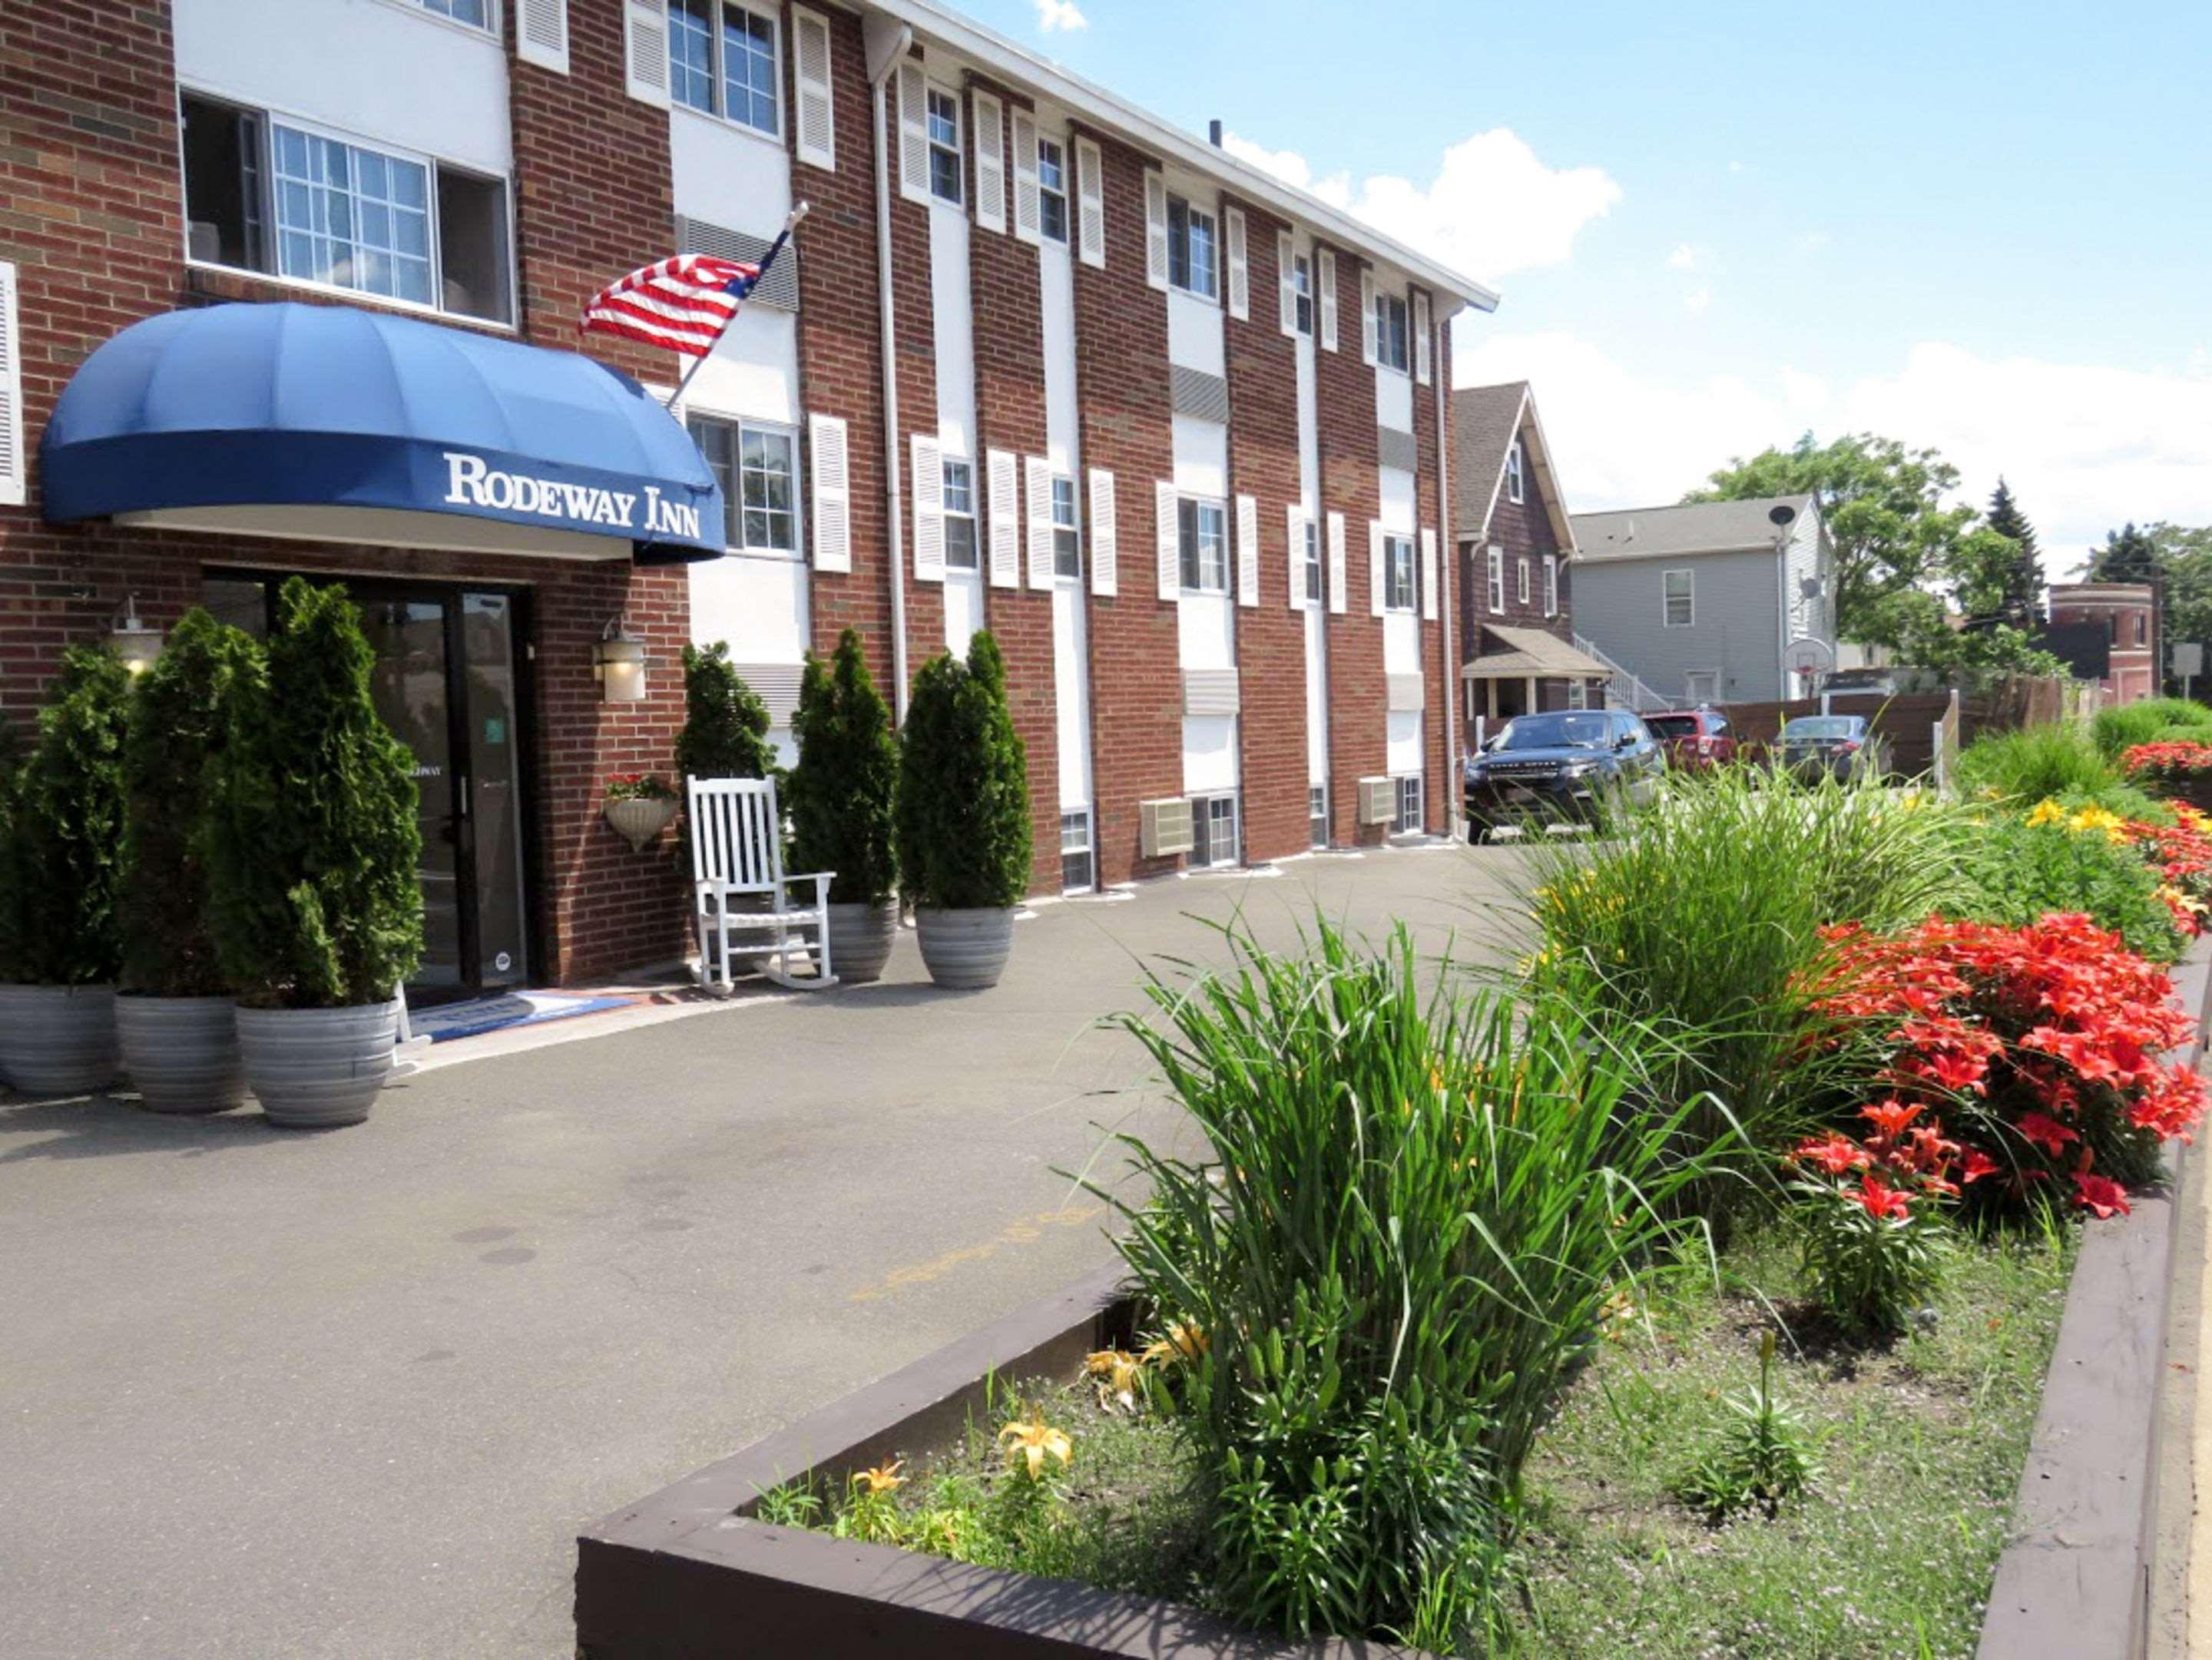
x=268, y=1394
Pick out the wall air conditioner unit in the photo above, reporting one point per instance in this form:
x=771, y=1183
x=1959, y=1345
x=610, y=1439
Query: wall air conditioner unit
x=1379, y=800
x=1166, y=827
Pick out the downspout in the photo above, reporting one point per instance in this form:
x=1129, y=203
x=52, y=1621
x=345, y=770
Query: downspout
x=1447, y=564
x=887, y=43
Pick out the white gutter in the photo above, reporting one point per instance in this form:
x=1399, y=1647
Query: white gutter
x=1447, y=559
x=885, y=48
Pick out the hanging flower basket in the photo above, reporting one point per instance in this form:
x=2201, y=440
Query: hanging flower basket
x=639, y=805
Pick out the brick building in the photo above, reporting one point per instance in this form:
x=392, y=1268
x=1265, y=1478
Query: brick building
x=2126, y=613
x=1174, y=432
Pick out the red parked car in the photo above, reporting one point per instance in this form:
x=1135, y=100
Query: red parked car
x=1693, y=737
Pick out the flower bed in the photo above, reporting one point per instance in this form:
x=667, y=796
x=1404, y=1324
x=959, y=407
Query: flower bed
x=2179, y=768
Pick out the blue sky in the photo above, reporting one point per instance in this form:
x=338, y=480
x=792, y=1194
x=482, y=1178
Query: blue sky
x=1986, y=228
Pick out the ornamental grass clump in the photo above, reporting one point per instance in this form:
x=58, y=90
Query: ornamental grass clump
x=2116, y=731
x=2031, y=763
x=1416, y=1203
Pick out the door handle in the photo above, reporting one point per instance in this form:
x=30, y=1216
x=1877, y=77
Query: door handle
x=463, y=784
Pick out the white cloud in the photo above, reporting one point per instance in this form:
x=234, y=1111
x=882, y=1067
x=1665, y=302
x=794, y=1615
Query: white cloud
x=1053, y=14
x=1684, y=258
x=1698, y=297
x=1491, y=207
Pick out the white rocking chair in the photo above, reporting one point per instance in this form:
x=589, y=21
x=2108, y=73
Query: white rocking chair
x=737, y=849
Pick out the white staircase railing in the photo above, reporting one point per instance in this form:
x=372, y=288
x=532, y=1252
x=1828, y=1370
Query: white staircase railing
x=1625, y=688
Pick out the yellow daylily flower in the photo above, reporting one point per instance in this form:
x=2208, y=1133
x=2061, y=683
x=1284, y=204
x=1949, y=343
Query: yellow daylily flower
x=884, y=1477
x=1116, y=1370
x=2047, y=812
x=1035, y=1442
x=1182, y=1343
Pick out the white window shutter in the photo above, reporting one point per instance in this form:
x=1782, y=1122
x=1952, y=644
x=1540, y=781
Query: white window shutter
x=645, y=41
x=1422, y=372
x=1037, y=480
x=914, y=133
x=1375, y=589
x=1367, y=316
x=1286, y=287
x=1028, y=213
x=1155, y=230
x=1294, y=517
x=990, y=162
x=1327, y=260
x=1167, y=530
x=830, y=456
x=1001, y=470
x=541, y=33
x=1336, y=563
x=1428, y=574
x=14, y=481
x=1091, y=216
x=816, y=126
x=1240, y=266
x=928, y=508
x=1248, y=550
x=1102, y=532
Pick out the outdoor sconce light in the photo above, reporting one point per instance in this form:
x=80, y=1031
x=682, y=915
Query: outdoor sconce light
x=134, y=643
x=618, y=664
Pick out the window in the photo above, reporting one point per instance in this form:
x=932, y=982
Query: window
x=471, y=12
x=1194, y=260
x=1411, y=820
x=1680, y=597
x=959, y=516
x=1302, y=286
x=1067, y=531
x=1497, y=581
x=1551, y=585
x=1317, y=815
x=1390, y=333
x=944, y=146
x=1701, y=686
x=1577, y=694
x=1400, y=576
x=1521, y=581
x=265, y=195
x=1203, y=528
x=1214, y=823
x=1514, y=491
x=1052, y=189
x=2142, y=630
x=729, y=70
x=1313, y=562
x=1079, y=873
x=755, y=467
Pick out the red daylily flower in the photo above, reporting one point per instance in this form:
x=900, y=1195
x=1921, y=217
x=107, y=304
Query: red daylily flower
x=1881, y=1200
x=2099, y=1195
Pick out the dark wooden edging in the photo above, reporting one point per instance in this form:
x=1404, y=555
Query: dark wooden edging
x=688, y=1573
x=2075, y=1579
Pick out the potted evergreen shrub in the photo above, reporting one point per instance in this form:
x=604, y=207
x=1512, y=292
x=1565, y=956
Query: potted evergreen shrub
x=312, y=849
x=61, y=943
x=176, y=1019
x=724, y=733
x=964, y=816
x=840, y=800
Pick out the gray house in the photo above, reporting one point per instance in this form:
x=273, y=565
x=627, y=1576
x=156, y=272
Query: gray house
x=1718, y=602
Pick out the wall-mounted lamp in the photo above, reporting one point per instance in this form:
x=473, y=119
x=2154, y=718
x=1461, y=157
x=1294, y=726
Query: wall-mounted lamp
x=618, y=664
x=135, y=642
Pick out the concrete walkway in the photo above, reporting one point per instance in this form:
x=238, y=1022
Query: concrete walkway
x=268, y=1394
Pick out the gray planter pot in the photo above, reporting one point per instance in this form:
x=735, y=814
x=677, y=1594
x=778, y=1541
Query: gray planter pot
x=58, y=1040
x=317, y=1068
x=964, y=950
x=861, y=941
x=182, y=1052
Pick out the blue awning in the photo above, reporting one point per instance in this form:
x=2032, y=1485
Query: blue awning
x=340, y=425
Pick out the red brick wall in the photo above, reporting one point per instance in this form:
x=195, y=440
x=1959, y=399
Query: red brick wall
x=1122, y=370
x=1270, y=651
x=1524, y=530
x=1351, y=484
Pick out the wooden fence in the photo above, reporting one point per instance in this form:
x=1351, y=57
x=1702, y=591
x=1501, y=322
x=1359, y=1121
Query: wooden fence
x=1907, y=720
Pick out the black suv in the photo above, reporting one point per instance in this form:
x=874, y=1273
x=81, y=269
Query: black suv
x=1561, y=765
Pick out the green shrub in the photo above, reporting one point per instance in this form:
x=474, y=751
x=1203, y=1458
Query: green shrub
x=2116, y=731
x=2016, y=872
x=843, y=792
x=175, y=742
x=963, y=797
x=312, y=843
x=725, y=733
x=1416, y=1203
x=65, y=854
x=2030, y=763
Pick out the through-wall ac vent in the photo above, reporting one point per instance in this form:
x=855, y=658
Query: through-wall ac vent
x=780, y=287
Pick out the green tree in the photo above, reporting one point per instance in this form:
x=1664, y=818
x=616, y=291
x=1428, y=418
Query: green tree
x=842, y=794
x=963, y=798
x=1883, y=507
x=2128, y=555
x=175, y=742
x=313, y=844
x=2021, y=598
x=66, y=852
x=2185, y=555
x=726, y=725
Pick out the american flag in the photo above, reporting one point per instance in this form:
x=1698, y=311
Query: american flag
x=682, y=304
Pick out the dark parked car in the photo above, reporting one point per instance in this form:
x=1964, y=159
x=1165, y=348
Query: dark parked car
x=1561, y=765
x=1839, y=745
x=1692, y=739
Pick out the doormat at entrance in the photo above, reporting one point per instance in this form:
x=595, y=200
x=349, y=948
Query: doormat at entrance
x=479, y=1015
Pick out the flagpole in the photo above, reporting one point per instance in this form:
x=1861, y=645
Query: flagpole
x=790, y=224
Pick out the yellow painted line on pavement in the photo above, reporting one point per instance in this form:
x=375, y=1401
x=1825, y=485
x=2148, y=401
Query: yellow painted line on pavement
x=1024, y=1231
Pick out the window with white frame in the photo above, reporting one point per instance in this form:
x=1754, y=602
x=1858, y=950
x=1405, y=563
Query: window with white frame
x=1194, y=250
x=1578, y=694
x=756, y=466
x=1411, y=819
x=475, y=13
x=1213, y=820
x=264, y=193
x=1052, y=188
x=1401, y=582
x=1514, y=488
x=1390, y=332
x=1521, y=580
x=1066, y=528
x=959, y=516
x=1313, y=562
x=944, y=146
x=722, y=60
x=1679, y=594
x=1301, y=291
x=1497, y=582
x=1202, y=528
x=1317, y=815
x=1551, y=585
x=1079, y=870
